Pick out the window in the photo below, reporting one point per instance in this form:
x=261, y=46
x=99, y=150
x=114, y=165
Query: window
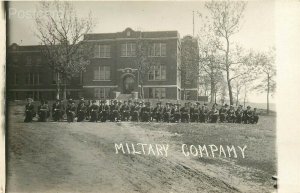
x=157, y=93
x=28, y=60
x=38, y=61
x=157, y=72
x=128, y=50
x=102, y=73
x=102, y=51
x=16, y=79
x=33, y=78
x=101, y=93
x=158, y=50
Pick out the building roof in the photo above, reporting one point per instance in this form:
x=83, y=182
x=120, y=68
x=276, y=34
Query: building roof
x=129, y=33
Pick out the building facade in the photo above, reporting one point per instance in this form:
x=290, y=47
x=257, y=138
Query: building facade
x=113, y=69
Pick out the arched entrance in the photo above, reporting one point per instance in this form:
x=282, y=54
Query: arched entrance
x=128, y=84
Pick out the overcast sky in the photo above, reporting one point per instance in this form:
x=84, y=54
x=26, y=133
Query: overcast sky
x=257, y=32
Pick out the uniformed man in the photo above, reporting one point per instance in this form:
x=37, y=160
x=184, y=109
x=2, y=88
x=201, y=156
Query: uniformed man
x=81, y=110
x=136, y=111
x=231, y=115
x=255, y=116
x=103, y=111
x=213, y=115
x=239, y=114
x=247, y=115
x=94, y=109
x=195, y=112
x=125, y=111
x=176, y=113
x=146, y=112
x=222, y=114
x=57, y=111
x=157, y=112
x=204, y=113
x=71, y=111
x=43, y=111
x=167, y=112
x=29, y=111
x=185, y=113
x=114, y=111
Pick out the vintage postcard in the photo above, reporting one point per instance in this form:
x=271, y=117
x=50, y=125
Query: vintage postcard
x=143, y=96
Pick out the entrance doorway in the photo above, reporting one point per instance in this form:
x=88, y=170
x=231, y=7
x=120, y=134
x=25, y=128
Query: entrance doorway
x=128, y=84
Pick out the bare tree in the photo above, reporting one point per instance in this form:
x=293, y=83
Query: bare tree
x=60, y=32
x=209, y=61
x=143, y=62
x=224, y=20
x=267, y=70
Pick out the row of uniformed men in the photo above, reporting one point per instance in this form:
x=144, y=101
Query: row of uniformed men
x=140, y=111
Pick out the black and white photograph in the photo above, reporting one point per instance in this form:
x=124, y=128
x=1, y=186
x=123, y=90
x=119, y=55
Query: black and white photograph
x=145, y=97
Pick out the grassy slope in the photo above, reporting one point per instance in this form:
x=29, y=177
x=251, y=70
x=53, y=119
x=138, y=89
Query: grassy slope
x=260, y=140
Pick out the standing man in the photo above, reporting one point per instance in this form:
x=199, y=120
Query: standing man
x=94, y=108
x=167, y=112
x=29, y=111
x=43, y=111
x=222, y=114
x=196, y=112
x=239, y=114
x=71, y=111
x=185, y=113
x=81, y=110
x=231, y=115
x=57, y=111
x=255, y=116
x=213, y=115
x=247, y=115
x=157, y=112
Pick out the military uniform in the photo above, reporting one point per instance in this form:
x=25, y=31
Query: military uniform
x=29, y=111
x=247, y=115
x=71, y=111
x=43, y=111
x=203, y=114
x=255, y=116
x=223, y=114
x=103, y=111
x=157, y=112
x=176, y=113
x=114, y=111
x=125, y=111
x=146, y=112
x=213, y=115
x=94, y=109
x=136, y=112
x=57, y=111
x=195, y=112
x=81, y=111
x=231, y=115
x=167, y=113
x=185, y=113
x=239, y=115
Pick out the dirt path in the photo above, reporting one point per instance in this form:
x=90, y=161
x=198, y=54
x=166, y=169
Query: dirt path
x=80, y=157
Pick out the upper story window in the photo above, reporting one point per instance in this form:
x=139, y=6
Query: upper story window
x=157, y=72
x=102, y=73
x=33, y=78
x=102, y=51
x=158, y=50
x=128, y=50
x=28, y=60
x=38, y=61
